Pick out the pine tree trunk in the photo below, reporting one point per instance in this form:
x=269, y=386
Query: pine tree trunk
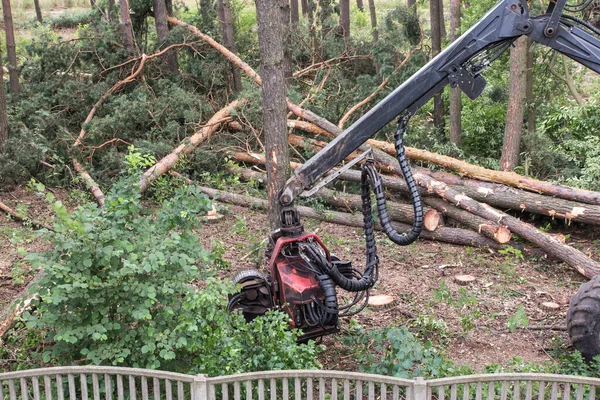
x=3, y=110
x=345, y=17
x=436, y=47
x=516, y=101
x=274, y=109
x=226, y=23
x=373, y=15
x=126, y=27
x=412, y=6
x=455, y=96
x=162, y=31
x=529, y=92
x=111, y=9
x=360, y=5
x=284, y=9
x=326, y=10
x=305, y=7
x=38, y=11
x=294, y=14
x=11, y=48
x=442, y=21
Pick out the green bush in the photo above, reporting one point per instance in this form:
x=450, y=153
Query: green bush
x=117, y=290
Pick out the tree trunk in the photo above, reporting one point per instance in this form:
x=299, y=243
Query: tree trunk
x=516, y=100
x=38, y=11
x=436, y=48
x=274, y=111
x=305, y=7
x=226, y=23
x=3, y=108
x=360, y=5
x=111, y=10
x=345, y=18
x=373, y=15
x=284, y=9
x=529, y=92
x=11, y=48
x=325, y=14
x=455, y=94
x=412, y=6
x=442, y=21
x=294, y=14
x=126, y=27
x=162, y=31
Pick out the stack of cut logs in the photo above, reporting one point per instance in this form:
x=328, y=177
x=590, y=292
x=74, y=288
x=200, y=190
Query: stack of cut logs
x=480, y=207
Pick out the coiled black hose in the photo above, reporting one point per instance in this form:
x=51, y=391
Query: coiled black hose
x=374, y=180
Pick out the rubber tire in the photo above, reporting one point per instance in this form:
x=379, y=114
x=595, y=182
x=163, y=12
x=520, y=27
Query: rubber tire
x=583, y=319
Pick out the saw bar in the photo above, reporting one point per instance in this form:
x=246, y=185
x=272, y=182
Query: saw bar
x=335, y=174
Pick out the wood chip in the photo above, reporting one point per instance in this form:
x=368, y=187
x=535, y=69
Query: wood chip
x=464, y=280
x=382, y=301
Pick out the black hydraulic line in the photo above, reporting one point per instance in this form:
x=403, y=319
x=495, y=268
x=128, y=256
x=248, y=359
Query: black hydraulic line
x=582, y=22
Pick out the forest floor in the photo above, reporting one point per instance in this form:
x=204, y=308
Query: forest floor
x=419, y=276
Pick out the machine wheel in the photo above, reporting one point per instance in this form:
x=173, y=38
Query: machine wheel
x=254, y=297
x=583, y=319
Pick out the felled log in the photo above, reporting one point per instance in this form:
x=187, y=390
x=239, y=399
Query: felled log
x=457, y=236
x=552, y=246
x=398, y=211
x=13, y=214
x=499, y=233
x=14, y=308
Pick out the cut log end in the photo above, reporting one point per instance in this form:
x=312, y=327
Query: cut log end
x=464, y=280
x=432, y=220
x=549, y=306
x=382, y=301
x=213, y=215
x=502, y=235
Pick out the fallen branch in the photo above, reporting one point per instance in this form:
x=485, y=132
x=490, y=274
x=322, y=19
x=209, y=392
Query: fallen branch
x=14, y=309
x=23, y=218
x=188, y=145
x=90, y=183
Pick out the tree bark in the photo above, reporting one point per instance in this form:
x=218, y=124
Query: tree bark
x=360, y=5
x=162, y=31
x=373, y=16
x=345, y=17
x=294, y=14
x=11, y=48
x=274, y=112
x=412, y=6
x=529, y=92
x=3, y=108
x=455, y=94
x=551, y=245
x=89, y=182
x=126, y=26
x=38, y=11
x=305, y=7
x=110, y=10
x=443, y=33
x=284, y=10
x=436, y=48
x=226, y=23
x=516, y=100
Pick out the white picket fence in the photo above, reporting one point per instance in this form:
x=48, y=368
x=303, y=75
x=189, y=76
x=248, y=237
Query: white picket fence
x=98, y=383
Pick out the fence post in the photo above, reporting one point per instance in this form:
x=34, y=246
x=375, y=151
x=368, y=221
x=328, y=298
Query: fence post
x=200, y=388
x=419, y=389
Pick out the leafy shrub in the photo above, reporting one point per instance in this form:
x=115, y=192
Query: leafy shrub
x=117, y=290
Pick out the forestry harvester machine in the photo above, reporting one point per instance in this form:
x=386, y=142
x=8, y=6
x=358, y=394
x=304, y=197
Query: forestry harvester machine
x=304, y=276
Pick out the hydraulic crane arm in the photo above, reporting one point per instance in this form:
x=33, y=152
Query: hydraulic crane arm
x=460, y=64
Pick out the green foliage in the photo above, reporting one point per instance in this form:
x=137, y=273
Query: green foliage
x=465, y=304
x=519, y=320
x=394, y=351
x=117, y=291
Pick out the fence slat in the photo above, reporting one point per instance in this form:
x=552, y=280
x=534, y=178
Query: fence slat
x=528, y=390
x=59, y=388
x=309, y=389
x=168, y=389
x=47, y=387
x=180, y=391
x=132, y=390
x=144, y=388
x=321, y=389
x=453, y=391
x=441, y=393
x=503, y=389
x=517, y=390
x=95, y=387
x=248, y=390
x=383, y=392
x=156, y=388
x=580, y=392
x=478, y=391
x=35, y=383
x=567, y=392
x=120, y=391
x=24, y=394
x=554, y=394
x=236, y=391
x=108, y=386
x=466, y=391
x=286, y=389
x=72, y=389
x=491, y=390
x=297, y=389
x=261, y=389
x=541, y=390
x=592, y=392
x=224, y=391
x=396, y=394
x=84, y=387
x=11, y=389
x=359, y=389
x=346, y=389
